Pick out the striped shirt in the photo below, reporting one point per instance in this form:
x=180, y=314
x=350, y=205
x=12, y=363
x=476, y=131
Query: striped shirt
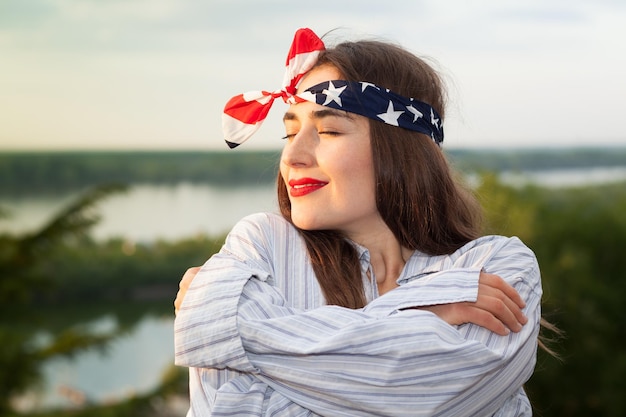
x=259, y=340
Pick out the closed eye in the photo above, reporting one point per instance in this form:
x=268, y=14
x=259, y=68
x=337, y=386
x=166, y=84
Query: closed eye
x=325, y=133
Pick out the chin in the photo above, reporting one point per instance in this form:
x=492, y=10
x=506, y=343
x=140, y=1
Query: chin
x=305, y=223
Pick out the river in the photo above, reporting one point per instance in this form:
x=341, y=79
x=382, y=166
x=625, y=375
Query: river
x=150, y=212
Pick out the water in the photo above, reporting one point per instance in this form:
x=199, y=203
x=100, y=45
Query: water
x=132, y=364
x=566, y=177
x=151, y=212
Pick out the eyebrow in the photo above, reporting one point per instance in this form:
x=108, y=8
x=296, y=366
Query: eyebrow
x=320, y=114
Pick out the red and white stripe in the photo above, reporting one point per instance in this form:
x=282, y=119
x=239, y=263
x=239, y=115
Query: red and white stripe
x=244, y=113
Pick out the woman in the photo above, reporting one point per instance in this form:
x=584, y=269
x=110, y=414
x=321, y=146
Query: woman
x=373, y=293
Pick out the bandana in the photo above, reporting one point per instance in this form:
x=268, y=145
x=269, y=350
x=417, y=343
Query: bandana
x=244, y=113
x=376, y=103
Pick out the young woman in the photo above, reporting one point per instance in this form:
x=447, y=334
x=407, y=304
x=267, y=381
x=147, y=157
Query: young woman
x=372, y=294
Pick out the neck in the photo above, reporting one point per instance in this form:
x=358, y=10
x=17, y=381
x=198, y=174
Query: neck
x=387, y=256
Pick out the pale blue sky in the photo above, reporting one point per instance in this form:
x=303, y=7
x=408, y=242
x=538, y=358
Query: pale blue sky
x=155, y=74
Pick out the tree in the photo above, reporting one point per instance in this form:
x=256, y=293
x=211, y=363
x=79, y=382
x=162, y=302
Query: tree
x=579, y=236
x=23, y=281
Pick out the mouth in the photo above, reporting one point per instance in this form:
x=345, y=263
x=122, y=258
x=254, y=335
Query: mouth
x=304, y=186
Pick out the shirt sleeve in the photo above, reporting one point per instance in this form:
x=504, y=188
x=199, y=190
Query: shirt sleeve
x=379, y=360
x=444, y=287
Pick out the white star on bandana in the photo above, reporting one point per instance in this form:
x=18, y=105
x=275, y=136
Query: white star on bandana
x=416, y=113
x=391, y=116
x=433, y=119
x=364, y=85
x=333, y=93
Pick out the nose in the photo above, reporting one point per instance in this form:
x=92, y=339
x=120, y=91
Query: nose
x=299, y=151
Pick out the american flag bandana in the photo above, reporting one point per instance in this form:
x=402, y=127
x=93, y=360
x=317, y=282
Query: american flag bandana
x=377, y=103
x=244, y=113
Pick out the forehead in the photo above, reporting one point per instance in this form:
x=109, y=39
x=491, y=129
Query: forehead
x=318, y=75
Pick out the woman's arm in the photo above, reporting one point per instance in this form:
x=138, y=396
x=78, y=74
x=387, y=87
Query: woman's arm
x=467, y=296
x=333, y=360
x=497, y=306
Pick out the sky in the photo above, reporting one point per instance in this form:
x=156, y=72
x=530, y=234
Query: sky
x=155, y=74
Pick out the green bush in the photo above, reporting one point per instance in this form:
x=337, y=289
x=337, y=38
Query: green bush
x=579, y=236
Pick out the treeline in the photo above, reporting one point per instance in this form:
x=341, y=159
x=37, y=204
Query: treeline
x=53, y=171
x=41, y=172
x=536, y=159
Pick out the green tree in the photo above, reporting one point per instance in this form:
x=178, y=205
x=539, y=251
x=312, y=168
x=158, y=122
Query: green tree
x=579, y=236
x=23, y=349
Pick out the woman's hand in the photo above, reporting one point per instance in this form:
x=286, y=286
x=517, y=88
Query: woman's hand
x=184, y=285
x=498, y=307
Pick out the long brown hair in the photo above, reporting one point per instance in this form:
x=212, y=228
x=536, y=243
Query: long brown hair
x=416, y=193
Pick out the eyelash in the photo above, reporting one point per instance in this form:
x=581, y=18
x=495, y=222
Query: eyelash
x=330, y=133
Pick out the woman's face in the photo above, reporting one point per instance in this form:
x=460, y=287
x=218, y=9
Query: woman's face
x=327, y=165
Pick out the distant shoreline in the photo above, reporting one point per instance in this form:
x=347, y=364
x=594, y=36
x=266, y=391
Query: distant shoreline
x=30, y=172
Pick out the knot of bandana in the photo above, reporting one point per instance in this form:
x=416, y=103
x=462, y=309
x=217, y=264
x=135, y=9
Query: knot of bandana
x=244, y=113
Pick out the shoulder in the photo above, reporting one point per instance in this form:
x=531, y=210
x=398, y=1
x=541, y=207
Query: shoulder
x=494, y=254
x=264, y=225
x=272, y=248
x=494, y=244
x=262, y=235
x=480, y=253
x=508, y=257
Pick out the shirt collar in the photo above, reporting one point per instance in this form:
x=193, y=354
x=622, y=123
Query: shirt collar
x=417, y=266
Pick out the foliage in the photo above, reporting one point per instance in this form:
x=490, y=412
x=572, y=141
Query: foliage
x=121, y=270
x=491, y=160
x=49, y=172
x=19, y=255
x=21, y=352
x=60, y=265
x=578, y=235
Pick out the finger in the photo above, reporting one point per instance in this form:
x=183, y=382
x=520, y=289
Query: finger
x=179, y=300
x=484, y=318
x=502, y=312
x=515, y=308
x=497, y=282
x=501, y=307
x=190, y=273
x=183, y=286
x=494, y=286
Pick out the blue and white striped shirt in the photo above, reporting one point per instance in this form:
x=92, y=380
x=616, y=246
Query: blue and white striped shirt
x=260, y=341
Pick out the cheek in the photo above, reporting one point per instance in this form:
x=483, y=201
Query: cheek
x=357, y=172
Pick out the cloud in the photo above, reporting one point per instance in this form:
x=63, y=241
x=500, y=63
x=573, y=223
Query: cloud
x=148, y=72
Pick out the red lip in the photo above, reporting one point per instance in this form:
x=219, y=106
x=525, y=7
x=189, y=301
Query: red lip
x=303, y=186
